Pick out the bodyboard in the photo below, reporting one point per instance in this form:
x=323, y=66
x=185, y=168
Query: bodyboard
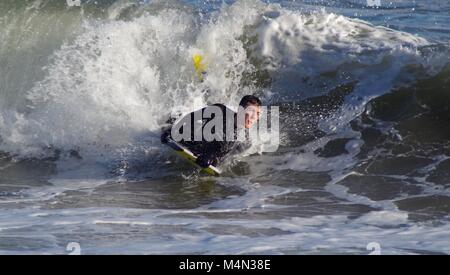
x=189, y=156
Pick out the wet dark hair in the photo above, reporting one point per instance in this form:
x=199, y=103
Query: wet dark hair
x=250, y=100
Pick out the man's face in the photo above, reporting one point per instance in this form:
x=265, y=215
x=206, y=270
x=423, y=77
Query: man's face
x=252, y=114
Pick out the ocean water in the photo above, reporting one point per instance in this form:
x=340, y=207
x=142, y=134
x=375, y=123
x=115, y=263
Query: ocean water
x=364, y=96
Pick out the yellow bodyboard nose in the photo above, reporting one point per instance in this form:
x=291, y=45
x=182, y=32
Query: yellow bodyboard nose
x=199, y=65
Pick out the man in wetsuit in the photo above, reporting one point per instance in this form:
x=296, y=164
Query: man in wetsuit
x=213, y=149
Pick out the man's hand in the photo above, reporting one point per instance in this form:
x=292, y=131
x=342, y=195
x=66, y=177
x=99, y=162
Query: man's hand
x=165, y=137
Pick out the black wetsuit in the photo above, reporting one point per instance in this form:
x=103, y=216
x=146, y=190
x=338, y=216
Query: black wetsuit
x=215, y=151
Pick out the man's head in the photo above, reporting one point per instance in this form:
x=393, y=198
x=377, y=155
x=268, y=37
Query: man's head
x=252, y=107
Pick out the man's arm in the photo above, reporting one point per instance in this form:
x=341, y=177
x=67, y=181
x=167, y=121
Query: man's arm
x=211, y=154
x=165, y=135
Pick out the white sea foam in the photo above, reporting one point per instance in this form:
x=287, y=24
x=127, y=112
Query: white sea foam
x=143, y=231
x=119, y=80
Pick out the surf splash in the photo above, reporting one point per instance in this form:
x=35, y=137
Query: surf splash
x=119, y=78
